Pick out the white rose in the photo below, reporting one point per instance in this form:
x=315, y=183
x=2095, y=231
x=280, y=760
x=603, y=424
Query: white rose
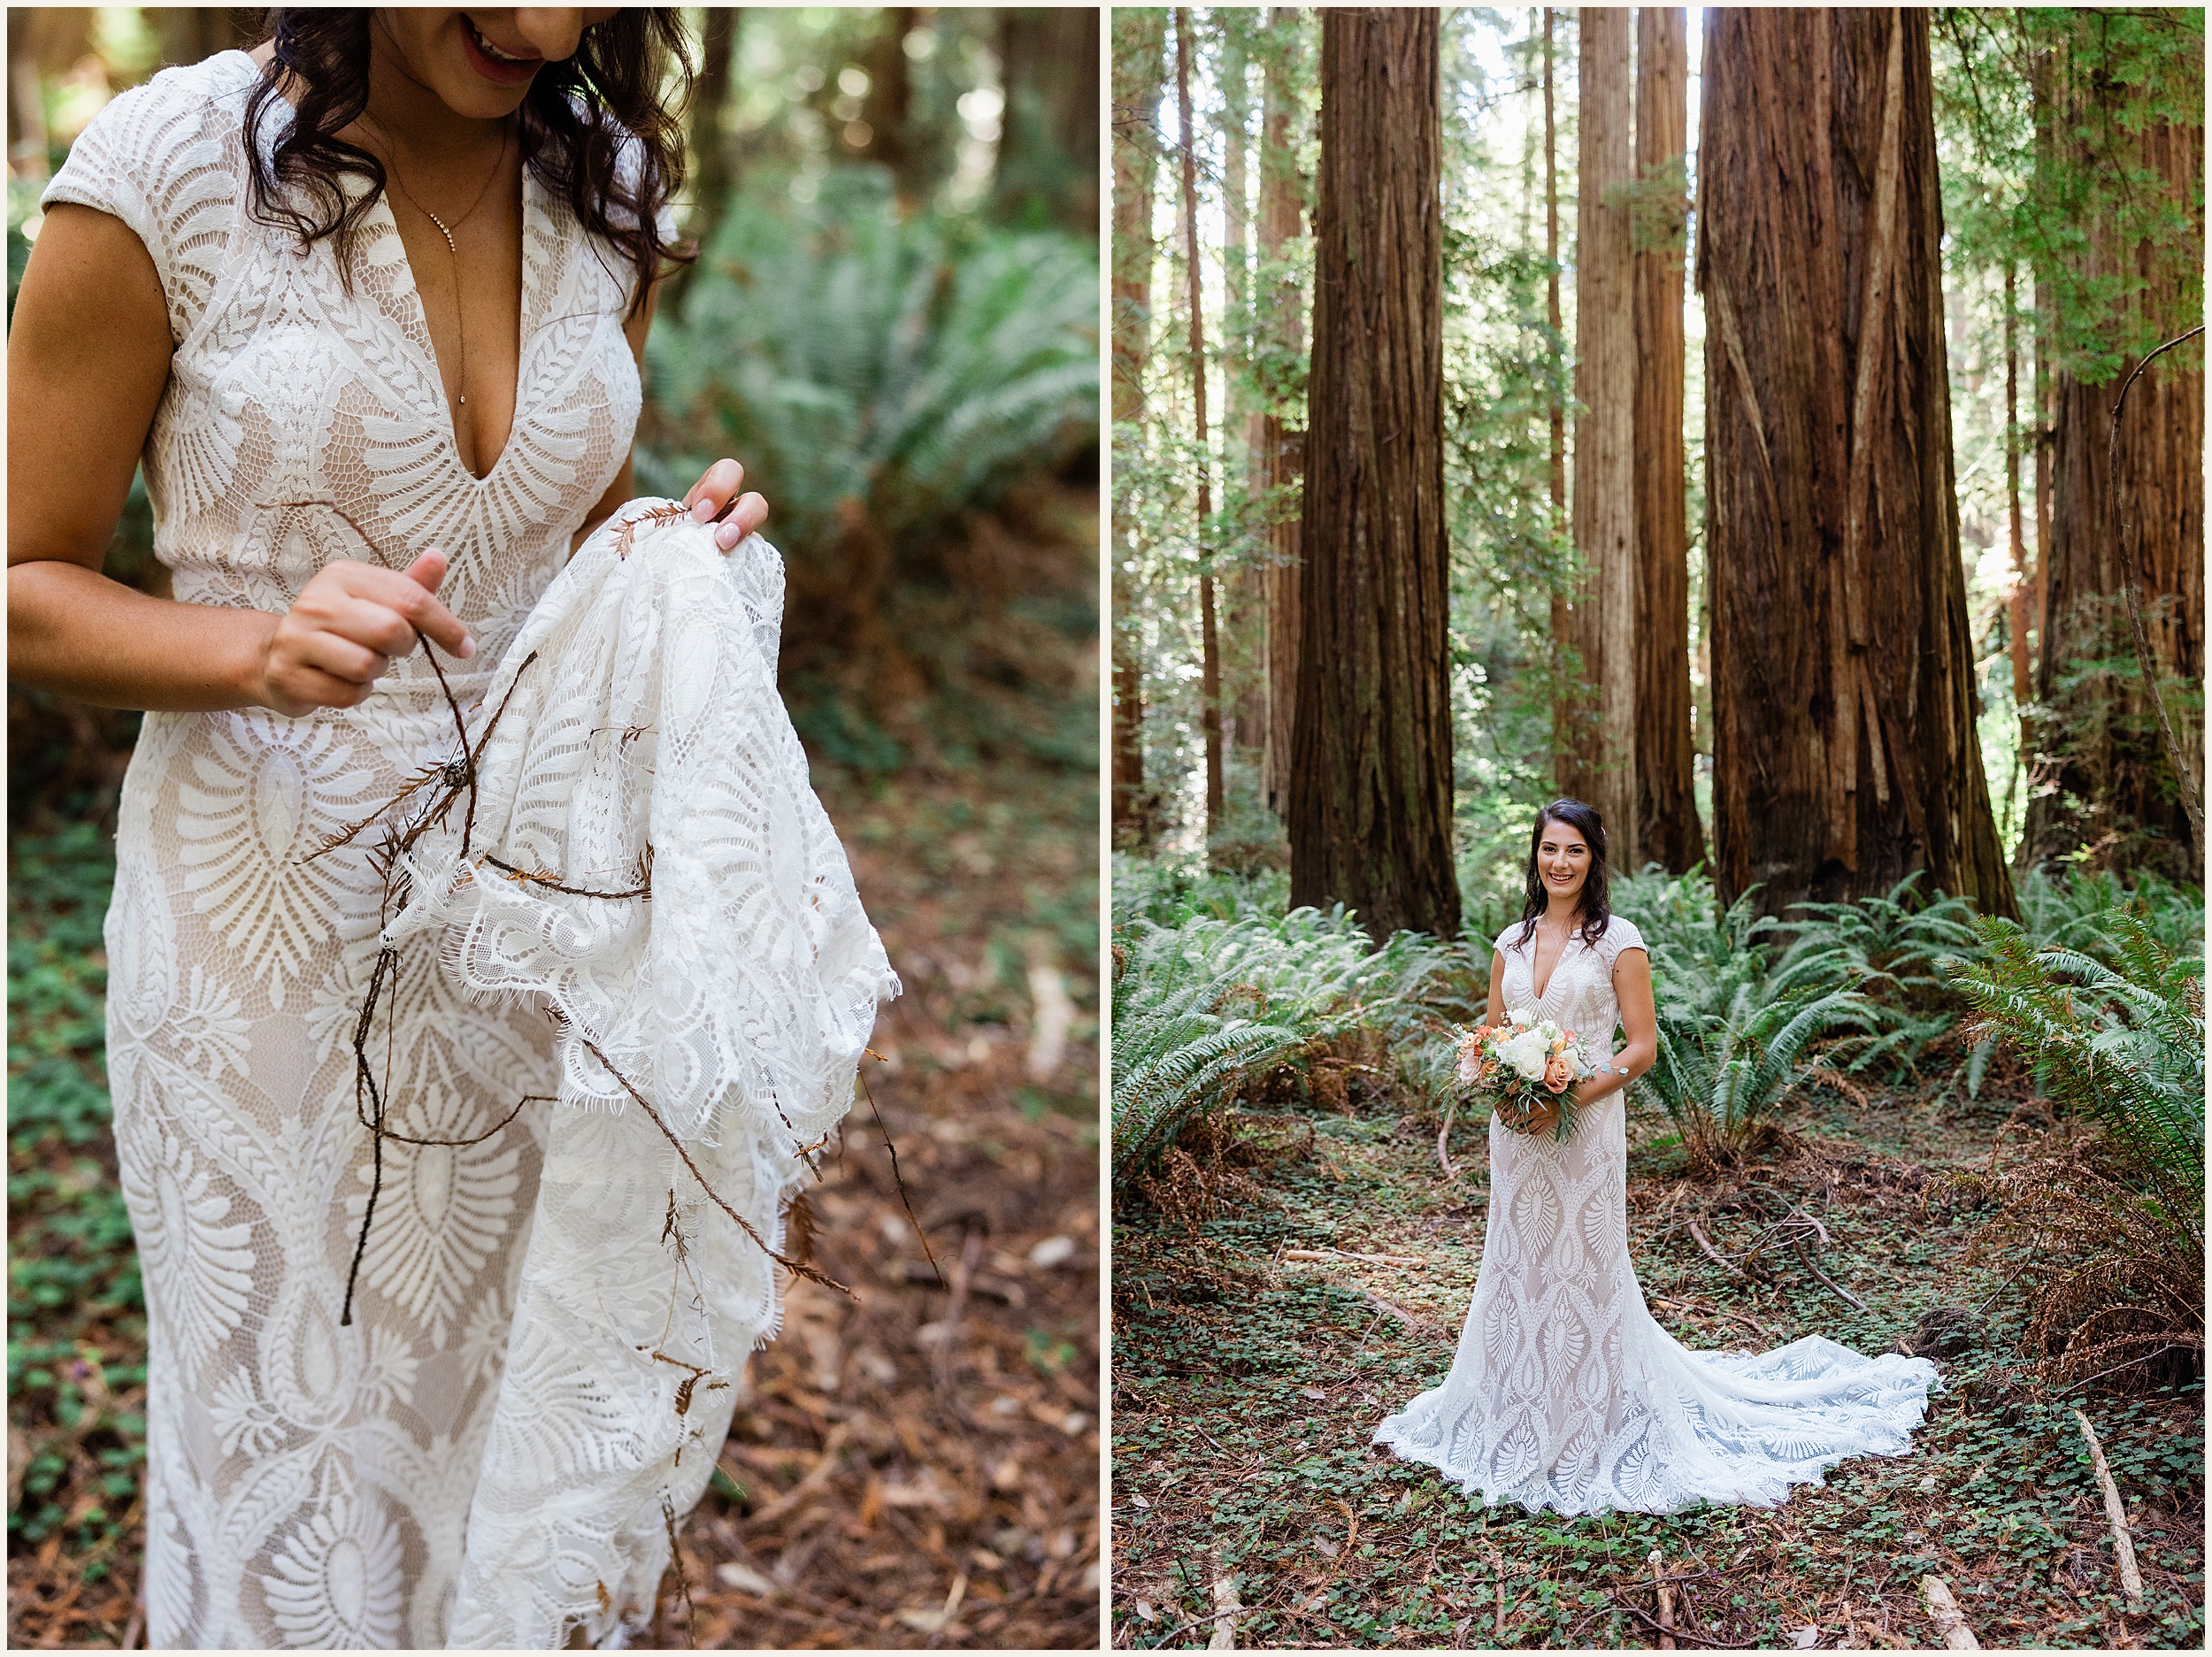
x=1526, y=1053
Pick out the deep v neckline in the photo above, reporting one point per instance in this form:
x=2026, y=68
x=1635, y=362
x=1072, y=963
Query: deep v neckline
x=1553, y=977
x=386, y=223
x=383, y=222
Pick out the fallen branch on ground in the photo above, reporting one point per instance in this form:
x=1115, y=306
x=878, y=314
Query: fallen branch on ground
x=2123, y=1542
x=1347, y=1254
x=1949, y=1620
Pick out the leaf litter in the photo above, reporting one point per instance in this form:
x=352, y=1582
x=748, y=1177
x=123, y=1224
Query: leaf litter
x=1248, y=1383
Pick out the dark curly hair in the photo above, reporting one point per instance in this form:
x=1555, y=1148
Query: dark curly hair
x=1595, y=907
x=580, y=113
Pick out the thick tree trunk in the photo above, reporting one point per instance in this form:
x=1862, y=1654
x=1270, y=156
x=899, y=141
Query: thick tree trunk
x=2107, y=781
x=1047, y=153
x=1279, y=456
x=1370, y=784
x=1140, y=58
x=1845, y=754
x=1603, y=754
x=1667, y=828
x=1209, y=641
x=1561, y=620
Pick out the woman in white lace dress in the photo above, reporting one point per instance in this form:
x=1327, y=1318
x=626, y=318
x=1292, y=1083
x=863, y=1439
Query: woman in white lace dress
x=1566, y=1392
x=369, y=299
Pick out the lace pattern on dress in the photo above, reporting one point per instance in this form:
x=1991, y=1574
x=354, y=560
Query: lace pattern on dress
x=309, y=1483
x=1564, y=1392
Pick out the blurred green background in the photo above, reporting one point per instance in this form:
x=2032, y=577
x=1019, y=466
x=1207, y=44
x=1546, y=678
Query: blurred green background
x=894, y=325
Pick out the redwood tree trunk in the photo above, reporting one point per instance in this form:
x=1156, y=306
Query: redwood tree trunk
x=1244, y=621
x=1562, y=618
x=1048, y=154
x=1370, y=783
x=1209, y=641
x=1844, y=752
x=1602, y=756
x=2107, y=781
x=1278, y=456
x=1139, y=57
x=1666, y=802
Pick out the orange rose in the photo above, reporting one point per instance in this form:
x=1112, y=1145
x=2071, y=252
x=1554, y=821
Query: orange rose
x=1558, y=1074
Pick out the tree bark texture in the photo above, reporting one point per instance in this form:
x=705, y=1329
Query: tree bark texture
x=1047, y=153
x=1279, y=456
x=1370, y=782
x=1209, y=633
x=1140, y=57
x=2103, y=777
x=2016, y=606
x=1562, y=622
x=1600, y=759
x=1245, y=716
x=1844, y=752
x=1667, y=829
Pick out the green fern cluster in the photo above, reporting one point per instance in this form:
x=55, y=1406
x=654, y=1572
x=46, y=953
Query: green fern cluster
x=860, y=359
x=2073, y=910
x=1741, y=1014
x=1168, y=893
x=2120, y=1041
x=1202, y=1008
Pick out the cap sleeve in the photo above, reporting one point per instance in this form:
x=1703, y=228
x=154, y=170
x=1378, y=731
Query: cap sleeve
x=1509, y=939
x=156, y=158
x=1620, y=934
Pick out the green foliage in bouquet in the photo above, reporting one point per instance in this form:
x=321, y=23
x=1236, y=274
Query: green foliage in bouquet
x=1202, y=1009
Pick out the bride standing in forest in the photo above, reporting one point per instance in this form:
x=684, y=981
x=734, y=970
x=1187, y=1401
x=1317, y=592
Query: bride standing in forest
x=349, y=398
x=1566, y=1392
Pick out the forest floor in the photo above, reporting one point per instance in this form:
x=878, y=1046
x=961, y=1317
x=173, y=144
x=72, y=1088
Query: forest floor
x=917, y=1465
x=1246, y=1385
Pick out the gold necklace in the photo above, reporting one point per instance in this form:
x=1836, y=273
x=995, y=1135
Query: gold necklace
x=453, y=253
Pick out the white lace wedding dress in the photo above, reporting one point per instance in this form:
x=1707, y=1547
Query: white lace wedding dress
x=549, y=1324
x=1566, y=1392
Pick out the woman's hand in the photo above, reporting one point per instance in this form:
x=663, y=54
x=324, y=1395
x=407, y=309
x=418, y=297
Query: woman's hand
x=716, y=496
x=344, y=630
x=1540, y=1123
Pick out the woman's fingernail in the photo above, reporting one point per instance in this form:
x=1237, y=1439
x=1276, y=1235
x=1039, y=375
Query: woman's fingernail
x=727, y=535
x=468, y=647
x=702, y=509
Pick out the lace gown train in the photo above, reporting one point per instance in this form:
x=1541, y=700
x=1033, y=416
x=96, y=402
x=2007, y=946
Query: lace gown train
x=1566, y=1392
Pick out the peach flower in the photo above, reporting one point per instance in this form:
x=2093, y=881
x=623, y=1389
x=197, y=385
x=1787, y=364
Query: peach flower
x=1558, y=1073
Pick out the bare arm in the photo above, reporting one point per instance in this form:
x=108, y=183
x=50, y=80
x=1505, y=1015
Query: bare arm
x=1495, y=1014
x=1639, y=1023
x=88, y=359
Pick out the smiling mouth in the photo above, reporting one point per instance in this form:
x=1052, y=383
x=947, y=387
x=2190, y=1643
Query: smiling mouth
x=505, y=60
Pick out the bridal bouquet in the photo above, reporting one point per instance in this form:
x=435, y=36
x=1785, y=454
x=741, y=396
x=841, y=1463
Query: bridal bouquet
x=1523, y=1065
